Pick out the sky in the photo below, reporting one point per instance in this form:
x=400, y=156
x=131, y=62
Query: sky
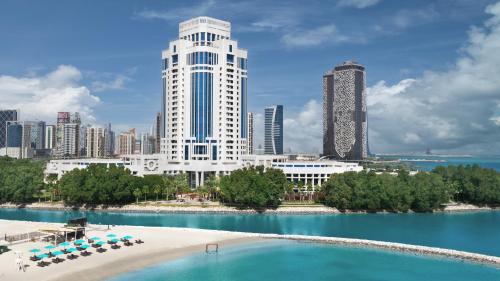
x=432, y=67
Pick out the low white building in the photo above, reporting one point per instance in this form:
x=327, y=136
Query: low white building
x=313, y=172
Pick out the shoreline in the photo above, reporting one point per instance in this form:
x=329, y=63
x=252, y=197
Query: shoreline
x=163, y=244
x=282, y=210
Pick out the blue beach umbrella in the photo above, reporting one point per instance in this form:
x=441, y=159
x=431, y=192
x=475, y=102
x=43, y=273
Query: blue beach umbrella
x=127, y=237
x=79, y=241
x=42, y=256
x=84, y=246
x=114, y=240
x=49, y=247
x=111, y=235
x=71, y=250
x=57, y=253
x=100, y=243
x=64, y=244
x=95, y=238
x=35, y=250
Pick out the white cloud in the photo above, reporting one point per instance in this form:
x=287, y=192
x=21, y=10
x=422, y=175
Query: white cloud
x=443, y=110
x=304, y=132
x=118, y=83
x=179, y=14
x=406, y=18
x=41, y=97
x=314, y=37
x=360, y=4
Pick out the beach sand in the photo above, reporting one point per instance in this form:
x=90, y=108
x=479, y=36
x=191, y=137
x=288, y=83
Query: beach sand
x=161, y=244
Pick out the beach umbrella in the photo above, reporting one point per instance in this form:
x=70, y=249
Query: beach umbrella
x=71, y=250
x=100, y=243
x=85, y=246
x=42, y=256
x=111, y=235
x=64, y=244
x=35, y=250
x=127, y=237
x=79, y=241
x=95, y=238
x=57, y=253
x=114, y=240
x=49, y=247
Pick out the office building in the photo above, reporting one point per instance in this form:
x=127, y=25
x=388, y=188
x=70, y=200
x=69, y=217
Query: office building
x=273, y=130
x=18, y=140
x=344, y=112
x=50, y=137
x=6, y=115
x=109, y=141
x=157, y=130
x=148, y=143
x=37, y=134
x=250, y=133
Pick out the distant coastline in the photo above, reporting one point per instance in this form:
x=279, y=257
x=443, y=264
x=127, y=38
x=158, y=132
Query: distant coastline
x=219, y=209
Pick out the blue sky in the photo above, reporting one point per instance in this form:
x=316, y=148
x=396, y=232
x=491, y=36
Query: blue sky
x=103, y=58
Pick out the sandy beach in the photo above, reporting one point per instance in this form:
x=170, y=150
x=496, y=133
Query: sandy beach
x=161, y=244
x=166, y=243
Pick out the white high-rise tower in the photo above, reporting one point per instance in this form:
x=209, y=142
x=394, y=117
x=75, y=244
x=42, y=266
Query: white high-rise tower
x=204, y=107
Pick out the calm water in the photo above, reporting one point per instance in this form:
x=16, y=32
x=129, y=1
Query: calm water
x=492, y=162
x=474, y=232
x=292, y=261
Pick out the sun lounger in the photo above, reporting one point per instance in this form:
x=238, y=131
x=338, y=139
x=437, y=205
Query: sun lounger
x=139, y=241
x=115, y=247
x=85, y=253
x=128, y=243
x=101, y=250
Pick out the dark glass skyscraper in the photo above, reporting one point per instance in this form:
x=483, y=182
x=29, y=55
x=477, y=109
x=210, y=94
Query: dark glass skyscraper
x=5, y=116
x=273, y=130
x=344, y=112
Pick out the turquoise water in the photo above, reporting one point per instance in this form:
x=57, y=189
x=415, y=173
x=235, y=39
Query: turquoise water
x=290, y=261
x=492, y=162
x=474, y=232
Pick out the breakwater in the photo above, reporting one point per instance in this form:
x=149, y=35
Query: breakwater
x=399, y=247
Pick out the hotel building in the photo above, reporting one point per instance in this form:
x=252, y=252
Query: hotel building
x=273, y=130
x=344, y=112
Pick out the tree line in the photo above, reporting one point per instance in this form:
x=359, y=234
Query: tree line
x=423, y=192
x=22, y=181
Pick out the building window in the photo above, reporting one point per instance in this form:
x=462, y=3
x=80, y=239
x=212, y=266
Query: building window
x=230, y=48
x=230, y=58
x=175, y=59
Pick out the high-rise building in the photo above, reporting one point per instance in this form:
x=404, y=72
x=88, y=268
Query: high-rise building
x=50, y=137
x=273, y=130
x=95, y=143
x=68, y=134
x=204, y=82
x=250, y=133
x=126, y=142
x=344, y=112
x=18, y=140
x=157, y=133
x=148, y=143
x=5, y=116
x=37, y=134
x=109, y=139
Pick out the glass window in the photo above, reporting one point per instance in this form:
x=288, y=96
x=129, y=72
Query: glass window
x=213, y=37
x=230, y=48
x=175, y=49
x=175, y=59
x=203, y=36
x=197, y=37
x=192, y=37
x=230, y=58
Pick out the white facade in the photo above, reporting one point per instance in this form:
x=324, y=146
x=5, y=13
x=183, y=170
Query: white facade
x=309, y=172
x=95, y=139
x=315, y=173
x=250, y=133
x=204, y=82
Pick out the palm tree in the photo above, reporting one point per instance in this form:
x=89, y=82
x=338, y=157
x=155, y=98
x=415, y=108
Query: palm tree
x=145, y=191
x=137, y=193
x=157, y=190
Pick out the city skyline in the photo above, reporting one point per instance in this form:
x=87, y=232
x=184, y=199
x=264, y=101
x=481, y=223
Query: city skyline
x=127, y=94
